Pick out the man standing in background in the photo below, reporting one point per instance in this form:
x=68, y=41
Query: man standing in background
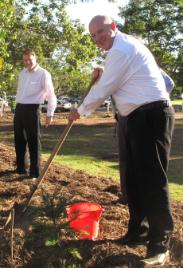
x=34, y=87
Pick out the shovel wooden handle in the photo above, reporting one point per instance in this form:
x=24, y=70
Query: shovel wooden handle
x=54, y=152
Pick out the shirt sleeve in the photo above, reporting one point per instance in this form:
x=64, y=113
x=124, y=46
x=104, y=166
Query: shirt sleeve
x=18, y=88
x=169, y=83
x=50, y=95
x=114, y=75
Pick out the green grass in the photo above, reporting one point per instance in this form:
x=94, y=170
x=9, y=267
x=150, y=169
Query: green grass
x=93, y=149
x=176, y=191
x=89, y=165
x=177, y=102
x=175, y=175
x=89, y=148
x=105, y=168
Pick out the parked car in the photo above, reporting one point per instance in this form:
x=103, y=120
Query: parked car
x=12, y=102
x=62, y=105
x=4, y=102
x=74, y=100
x=71, y=99
x=64, y=97
x=107, y=102
x=44, y=107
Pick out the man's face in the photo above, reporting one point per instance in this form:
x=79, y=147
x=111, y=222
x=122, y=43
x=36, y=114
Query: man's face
x=29, y=61
x=102, y=34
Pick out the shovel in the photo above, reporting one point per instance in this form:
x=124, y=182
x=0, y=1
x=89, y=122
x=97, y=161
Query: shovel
x=47, y=165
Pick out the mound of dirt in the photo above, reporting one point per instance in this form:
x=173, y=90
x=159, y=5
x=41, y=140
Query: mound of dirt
x=104, y=252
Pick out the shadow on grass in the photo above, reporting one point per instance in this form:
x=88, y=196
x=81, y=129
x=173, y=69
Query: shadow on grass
x=175, y=171
x=96, y=140
x=100, y=141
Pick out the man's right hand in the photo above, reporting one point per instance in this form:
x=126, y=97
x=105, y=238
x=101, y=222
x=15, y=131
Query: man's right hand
x=97, y=73
x=74, y=115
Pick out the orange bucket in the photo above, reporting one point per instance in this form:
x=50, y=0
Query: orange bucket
x=84, y=217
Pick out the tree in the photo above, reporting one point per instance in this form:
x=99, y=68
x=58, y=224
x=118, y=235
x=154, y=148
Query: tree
x=6, y=22
x=158, y=23
x=46, y=28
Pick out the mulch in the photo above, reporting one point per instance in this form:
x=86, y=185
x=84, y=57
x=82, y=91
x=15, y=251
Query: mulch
x=106, y=251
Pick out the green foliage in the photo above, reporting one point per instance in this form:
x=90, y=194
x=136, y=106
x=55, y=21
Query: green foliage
x=72, y=82
x=51, y=243
x=74, y=252
x=53, y=233
x=6, y=22
x=55, y=206
x=159, y=24
x=65, y=49
x=44, y=27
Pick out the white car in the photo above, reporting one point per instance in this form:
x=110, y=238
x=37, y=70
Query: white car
x=62, y=105
x=3, y=102
x=107, y=102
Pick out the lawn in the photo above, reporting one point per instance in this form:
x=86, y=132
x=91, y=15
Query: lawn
x=93, y=149
x=91, y=146
x=177, y=102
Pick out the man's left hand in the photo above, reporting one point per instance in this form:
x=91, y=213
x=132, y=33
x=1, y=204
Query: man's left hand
x=49, y=120
x=74, y=115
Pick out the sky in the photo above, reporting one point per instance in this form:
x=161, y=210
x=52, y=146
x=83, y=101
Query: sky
x=86, y=11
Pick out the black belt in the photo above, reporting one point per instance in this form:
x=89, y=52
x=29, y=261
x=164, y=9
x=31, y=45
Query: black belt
x=28, y=104
x=151, y=105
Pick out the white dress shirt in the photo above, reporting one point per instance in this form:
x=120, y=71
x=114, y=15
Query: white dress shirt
x=34, y=87
x=130, y=75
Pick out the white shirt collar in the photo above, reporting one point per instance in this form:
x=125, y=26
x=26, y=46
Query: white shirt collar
x=34, y=70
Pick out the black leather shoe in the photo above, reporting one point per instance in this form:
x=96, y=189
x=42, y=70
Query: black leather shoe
x=156, y=259
x=32, y=176
x=20, y=171
x=121, y=200
x=132, y=240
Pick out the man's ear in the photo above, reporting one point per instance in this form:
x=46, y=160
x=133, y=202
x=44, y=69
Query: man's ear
x=113, y=26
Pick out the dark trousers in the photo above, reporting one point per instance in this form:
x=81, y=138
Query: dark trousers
x=121, y=131
x=149, y=135
x=27, y=131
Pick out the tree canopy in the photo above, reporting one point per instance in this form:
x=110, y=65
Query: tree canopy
x=61, y=45
x=65, y=49
x=159, y=24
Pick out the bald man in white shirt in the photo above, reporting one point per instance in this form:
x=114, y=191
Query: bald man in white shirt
x=34, y=87
x=133, y=78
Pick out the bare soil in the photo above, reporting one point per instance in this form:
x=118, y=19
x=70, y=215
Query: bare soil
x=104, y=252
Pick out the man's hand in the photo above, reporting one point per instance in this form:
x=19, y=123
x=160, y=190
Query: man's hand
x=97, y=73
x=49, y=120
x=74, y=115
